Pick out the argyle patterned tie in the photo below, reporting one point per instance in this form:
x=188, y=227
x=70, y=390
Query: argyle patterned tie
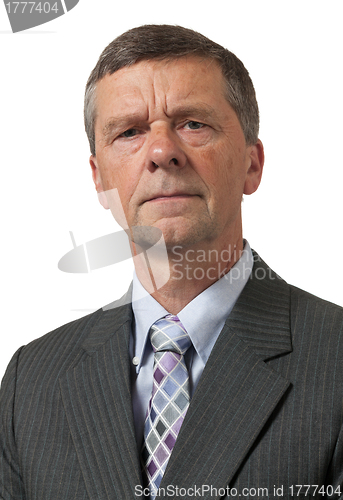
x=170, y=397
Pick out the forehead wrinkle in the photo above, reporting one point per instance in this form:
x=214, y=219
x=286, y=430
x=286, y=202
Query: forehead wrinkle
x=204, y=108
x=158, y=92
x=162, y=80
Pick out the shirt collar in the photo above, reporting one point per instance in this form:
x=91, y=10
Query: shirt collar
x=200, y=318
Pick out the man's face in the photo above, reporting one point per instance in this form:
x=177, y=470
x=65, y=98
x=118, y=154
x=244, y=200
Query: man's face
x=169, y=141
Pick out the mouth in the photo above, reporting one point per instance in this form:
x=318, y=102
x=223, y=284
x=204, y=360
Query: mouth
x=170, y=197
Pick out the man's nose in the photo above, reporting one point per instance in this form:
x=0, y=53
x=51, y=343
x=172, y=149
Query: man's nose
x=165, y=151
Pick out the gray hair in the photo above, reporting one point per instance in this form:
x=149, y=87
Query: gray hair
x=171, y=42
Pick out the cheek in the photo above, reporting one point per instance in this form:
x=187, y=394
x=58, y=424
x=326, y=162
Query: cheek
x=115, y=171
x=215, y=166
x=222, y=171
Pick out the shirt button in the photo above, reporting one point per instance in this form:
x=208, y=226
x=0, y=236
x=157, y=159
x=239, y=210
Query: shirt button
x=135, y=361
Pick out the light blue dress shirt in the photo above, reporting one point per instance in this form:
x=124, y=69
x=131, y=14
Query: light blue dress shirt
x=203, y=318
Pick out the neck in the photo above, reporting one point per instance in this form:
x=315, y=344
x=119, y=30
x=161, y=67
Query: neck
x=174, y=278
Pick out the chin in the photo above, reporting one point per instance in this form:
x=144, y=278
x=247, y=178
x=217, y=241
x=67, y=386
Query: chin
x=187, y=238
x=178, y=231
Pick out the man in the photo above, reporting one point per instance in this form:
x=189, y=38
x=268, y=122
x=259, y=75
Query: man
x=172, y=122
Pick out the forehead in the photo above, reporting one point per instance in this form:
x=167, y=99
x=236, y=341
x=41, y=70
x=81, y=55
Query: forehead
x=161, y=83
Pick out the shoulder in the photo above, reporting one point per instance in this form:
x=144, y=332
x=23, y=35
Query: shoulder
x=33, y=374
x=62, y=348
x=263, y=274
x=50, y=356
x=52, y=353
x=315, y=314
x=307, y=313
x=306, y=299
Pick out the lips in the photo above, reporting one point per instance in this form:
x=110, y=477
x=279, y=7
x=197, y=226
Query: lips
x=166, y=196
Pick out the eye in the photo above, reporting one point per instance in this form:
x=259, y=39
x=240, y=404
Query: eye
x=193, y=125
x=131, y=132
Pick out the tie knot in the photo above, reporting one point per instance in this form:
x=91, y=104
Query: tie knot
x=169, y=334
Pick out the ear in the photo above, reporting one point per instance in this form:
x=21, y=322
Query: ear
x=98, y=182
x=255, y=167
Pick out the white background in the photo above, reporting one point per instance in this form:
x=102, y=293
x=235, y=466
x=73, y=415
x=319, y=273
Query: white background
x=293, y=51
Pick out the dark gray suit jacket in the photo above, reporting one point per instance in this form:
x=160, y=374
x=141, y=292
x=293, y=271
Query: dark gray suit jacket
x=267, y=412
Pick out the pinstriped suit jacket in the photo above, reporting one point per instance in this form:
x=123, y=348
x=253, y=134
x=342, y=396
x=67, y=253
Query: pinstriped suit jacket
x=267, y=412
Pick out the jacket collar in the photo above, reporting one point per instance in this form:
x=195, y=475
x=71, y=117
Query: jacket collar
x=260, y=317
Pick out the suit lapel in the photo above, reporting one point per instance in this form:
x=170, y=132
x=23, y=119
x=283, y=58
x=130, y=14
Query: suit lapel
x=97, y=400
x=237, y=391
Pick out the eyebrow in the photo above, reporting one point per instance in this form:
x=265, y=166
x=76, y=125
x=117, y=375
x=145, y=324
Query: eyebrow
x=120, y=122
x=202, y=112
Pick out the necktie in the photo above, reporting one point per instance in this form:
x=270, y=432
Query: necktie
x=170, y=397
